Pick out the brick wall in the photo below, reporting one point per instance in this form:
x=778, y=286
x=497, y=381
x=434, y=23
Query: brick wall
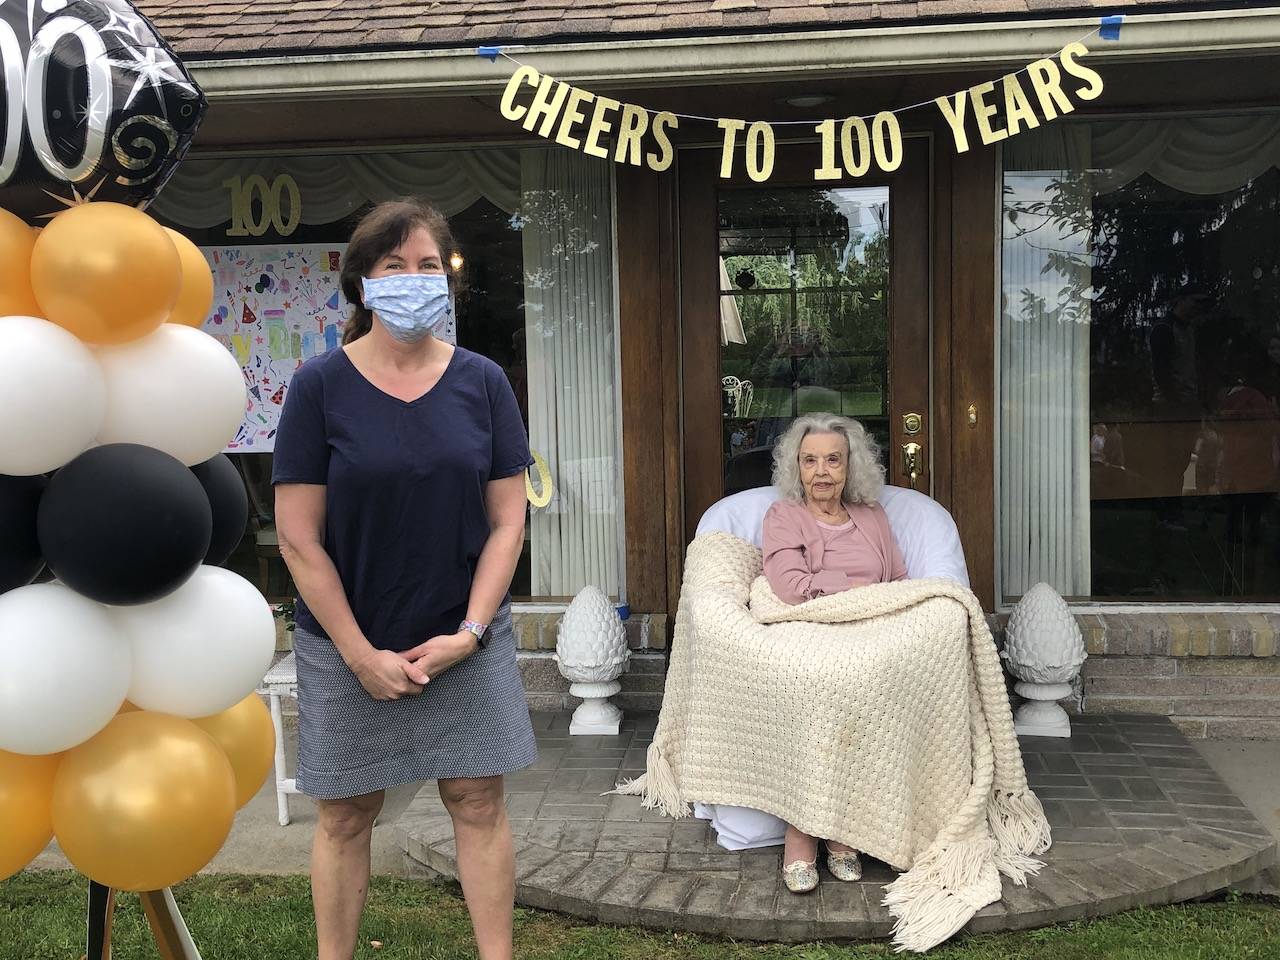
x=546, y=690
x=1217, y=675
x=642, y=684
x=537, y=631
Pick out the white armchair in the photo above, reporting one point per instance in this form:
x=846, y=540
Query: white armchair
x=925, y=532
x=930, y=544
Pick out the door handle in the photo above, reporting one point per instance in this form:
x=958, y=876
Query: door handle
x=911, y=461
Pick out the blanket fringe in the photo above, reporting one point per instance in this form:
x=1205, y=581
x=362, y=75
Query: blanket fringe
x=657, y=786
x=930, y=919
x=952, y=866
x=1021, y=830
x=946, y=886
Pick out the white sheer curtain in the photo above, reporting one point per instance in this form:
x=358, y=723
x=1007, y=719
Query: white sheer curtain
x=566, y=219
x=730, y=318
x=1044, y=366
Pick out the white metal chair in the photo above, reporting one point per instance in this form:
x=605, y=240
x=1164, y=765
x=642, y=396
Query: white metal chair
x=281, y=681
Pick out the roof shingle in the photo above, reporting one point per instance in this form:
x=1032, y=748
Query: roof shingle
x=221, y=28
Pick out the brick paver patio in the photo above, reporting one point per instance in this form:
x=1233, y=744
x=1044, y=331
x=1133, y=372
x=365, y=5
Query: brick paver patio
x=1138, y=818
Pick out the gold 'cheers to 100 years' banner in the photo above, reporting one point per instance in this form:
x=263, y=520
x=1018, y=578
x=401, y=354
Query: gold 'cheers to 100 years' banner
x=581, y=120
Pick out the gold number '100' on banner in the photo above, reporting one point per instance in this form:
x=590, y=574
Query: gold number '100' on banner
x=859, y=145
x=850, y=147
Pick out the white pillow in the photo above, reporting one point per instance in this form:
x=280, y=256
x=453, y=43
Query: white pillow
x=925, y=532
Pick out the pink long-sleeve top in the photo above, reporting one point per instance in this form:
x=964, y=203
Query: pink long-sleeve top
x=805, y=558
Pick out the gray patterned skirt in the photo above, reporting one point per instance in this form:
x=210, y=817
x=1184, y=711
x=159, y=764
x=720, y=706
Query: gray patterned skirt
x=471, y=721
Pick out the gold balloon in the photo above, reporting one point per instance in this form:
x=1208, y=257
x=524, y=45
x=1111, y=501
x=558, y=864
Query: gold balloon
x=26, y=795
x=106, y=272
x=16, y=243
x=145, y=803
x=127, y=707
x=196, y=297
x=246, y=735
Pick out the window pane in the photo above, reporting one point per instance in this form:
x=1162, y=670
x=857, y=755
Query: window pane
x=535, y=256
x=804, y=276
x=1140, y=360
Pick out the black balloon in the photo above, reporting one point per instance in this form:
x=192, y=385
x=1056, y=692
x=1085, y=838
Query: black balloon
x=106, y=108
x=124, y=524
x=229, y=503
x=20, y=557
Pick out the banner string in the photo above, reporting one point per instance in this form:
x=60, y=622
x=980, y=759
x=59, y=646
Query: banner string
x=1108, y=29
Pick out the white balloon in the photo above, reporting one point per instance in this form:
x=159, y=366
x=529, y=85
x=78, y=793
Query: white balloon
x=201, y=649
x=64, y=669
x=51, y=396
x=177, y=389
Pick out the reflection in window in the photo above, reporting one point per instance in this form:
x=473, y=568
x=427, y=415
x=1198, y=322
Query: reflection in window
x=1140, y=360
x=535, y=257
x=803, y=316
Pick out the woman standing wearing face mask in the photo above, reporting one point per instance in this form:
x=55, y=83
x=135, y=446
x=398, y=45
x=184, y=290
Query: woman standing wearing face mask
x=400, y=506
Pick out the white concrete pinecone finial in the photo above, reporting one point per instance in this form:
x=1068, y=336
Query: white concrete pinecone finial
x=591, y=652
x=1044, y=649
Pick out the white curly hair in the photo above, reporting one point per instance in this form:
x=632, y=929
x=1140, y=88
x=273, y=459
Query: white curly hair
x=864, y=478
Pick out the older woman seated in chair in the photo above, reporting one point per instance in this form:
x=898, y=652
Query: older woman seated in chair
x=826, y=534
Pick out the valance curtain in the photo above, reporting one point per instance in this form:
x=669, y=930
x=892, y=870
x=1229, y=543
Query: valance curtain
x=1202, y=155
x=333, y=187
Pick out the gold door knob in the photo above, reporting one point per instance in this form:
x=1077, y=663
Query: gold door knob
x=911, y=462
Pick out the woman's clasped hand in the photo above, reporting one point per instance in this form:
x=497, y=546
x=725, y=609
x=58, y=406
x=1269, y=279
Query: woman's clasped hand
x=388, y=675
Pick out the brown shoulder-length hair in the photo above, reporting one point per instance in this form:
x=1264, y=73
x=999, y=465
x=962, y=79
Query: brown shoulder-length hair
x=380, y=232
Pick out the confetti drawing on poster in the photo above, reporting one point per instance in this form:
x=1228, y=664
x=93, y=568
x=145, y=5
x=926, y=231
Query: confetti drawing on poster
x=274, y=307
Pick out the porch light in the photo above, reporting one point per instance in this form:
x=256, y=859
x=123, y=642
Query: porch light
x=456, y=261
x=806, y=101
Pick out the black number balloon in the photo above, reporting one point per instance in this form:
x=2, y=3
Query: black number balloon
x=95, y=106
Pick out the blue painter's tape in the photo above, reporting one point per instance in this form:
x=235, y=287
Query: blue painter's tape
x=489, y=53
x=1111, y=27
x=624, y=611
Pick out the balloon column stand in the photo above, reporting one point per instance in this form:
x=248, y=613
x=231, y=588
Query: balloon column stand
x=117, y=407
x=169, y=930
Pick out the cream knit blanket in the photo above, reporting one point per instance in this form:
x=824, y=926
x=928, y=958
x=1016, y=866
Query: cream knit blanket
x=877, y=717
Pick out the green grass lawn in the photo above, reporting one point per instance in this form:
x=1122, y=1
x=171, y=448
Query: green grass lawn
x=252, y=918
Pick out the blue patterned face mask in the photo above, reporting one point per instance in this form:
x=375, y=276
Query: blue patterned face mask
x=410, y=305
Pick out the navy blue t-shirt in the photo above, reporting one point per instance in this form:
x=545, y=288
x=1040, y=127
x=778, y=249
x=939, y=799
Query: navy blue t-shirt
x=405, y=519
